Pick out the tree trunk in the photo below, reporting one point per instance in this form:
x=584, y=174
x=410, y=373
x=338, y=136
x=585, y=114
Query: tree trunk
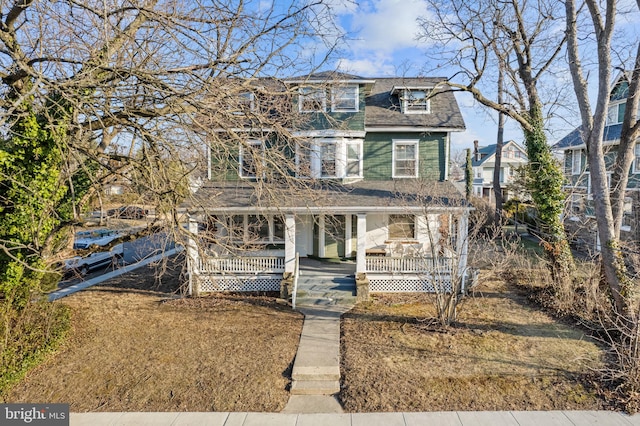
x=497, y=190
x=548, y=196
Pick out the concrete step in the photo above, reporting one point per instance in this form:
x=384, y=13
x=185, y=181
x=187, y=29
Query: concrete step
x=314, y=374
x=315, y=387
x=315, y=301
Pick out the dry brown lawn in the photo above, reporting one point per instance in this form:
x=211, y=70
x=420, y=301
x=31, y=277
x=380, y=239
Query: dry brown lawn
x=503, y=354
x=135, y=349
x=136, y=346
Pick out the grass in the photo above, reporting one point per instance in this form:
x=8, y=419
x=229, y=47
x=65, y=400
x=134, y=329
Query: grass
x=503, y=354
x=135, y=347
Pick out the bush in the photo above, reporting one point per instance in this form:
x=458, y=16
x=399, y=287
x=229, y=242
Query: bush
x=28, y=335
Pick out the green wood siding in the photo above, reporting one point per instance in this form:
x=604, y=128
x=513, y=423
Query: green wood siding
x=378, y=155
x=332, y=120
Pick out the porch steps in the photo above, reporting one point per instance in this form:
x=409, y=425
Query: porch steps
x=326, y=290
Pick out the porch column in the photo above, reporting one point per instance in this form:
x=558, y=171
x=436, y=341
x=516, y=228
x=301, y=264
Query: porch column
x=362, y=243
x=192, y=258
x=463, y=242
x=289, y=243
x=348, y=232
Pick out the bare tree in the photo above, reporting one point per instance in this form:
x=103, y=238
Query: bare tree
x=123, y=88
x=608, y=208
x=479, y=37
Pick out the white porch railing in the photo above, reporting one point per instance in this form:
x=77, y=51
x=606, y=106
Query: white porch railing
x=238, y=265
x=408, y=265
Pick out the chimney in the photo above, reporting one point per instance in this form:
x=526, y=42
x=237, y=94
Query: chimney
x=476, y=154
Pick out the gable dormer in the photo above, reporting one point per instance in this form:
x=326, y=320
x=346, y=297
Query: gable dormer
x=413, y=99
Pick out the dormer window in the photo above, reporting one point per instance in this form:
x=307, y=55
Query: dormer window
x=415, y=102
x=414, y=99
x=344, y=98
x=312, y=99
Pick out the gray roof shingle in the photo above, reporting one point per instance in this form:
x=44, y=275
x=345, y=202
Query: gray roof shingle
x=382, y=108
x=326, y=196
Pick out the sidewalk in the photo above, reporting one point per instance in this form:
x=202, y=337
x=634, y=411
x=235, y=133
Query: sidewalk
x=450, y=418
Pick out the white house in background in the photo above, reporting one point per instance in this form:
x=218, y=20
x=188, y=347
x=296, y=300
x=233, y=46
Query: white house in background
x=483, y=162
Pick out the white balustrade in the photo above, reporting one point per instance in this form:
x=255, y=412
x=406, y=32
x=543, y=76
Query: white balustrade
x=408, y=265
x=251, y=265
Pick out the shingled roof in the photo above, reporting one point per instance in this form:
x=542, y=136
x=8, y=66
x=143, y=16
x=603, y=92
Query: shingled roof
x=574, y=139
x=326, y=196
x=383, y=107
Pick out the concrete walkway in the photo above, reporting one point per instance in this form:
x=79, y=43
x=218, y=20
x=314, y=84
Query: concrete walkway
x=451, y=418
x=326, y=292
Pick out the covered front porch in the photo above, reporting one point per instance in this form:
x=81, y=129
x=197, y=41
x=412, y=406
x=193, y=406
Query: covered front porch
x=421, y=263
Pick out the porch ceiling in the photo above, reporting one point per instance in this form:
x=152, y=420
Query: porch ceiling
x=400, y=195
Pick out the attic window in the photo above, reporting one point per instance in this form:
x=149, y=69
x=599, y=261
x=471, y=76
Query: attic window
x=416, y=101
x=344, y=99
x=312, y=99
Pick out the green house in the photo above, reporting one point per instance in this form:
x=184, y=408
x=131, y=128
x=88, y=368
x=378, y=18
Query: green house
x=336, y=167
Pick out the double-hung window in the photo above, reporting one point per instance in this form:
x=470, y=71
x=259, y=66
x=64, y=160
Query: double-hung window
x=251, y=158
x=615, y=113
x=344, y=99
x=405, y=159
x=328, y=159
x=354, y=157
x=312, y=99
x=246, y=102
x=402, y=226
x=416, y=102
x=576, y=162
x=636, y=160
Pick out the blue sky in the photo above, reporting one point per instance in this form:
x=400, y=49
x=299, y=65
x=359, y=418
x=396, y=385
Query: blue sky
x=383, y=41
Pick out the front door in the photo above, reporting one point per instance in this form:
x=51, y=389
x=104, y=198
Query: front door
x=328, y=236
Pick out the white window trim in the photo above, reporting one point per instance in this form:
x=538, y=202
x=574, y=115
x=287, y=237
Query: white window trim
x=356, y=106
x=615, y=105
x=636, y=160
x=393, y=157
x=405, y=101
x=320, y=145
x=271, y=238
x=253, y=142
x=315, y=90
x=415, y=228
x=252, y=101
x=341, y=160
x=576, y=170
x=359, y=144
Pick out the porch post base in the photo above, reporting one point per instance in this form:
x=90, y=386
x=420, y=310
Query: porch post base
x=286, y=286
x=362, y=287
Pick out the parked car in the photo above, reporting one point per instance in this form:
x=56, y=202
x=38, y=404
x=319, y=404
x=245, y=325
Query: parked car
x=81, y=266
x=99, y=237
x=128, y=212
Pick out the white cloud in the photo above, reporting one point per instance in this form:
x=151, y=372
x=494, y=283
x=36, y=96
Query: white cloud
x=387, y=25
x=372, y=67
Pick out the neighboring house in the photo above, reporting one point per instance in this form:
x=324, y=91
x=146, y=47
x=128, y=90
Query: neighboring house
x=483, y=163
x=367, y=181
x=580, y=215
